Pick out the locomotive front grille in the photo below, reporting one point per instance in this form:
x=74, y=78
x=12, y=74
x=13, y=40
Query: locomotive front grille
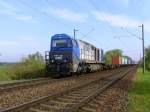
x=60, y=68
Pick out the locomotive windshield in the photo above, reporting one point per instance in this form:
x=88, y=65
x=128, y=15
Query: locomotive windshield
x=61, y=43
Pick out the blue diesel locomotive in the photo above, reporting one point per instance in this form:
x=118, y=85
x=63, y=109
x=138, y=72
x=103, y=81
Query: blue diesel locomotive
x=68, y=55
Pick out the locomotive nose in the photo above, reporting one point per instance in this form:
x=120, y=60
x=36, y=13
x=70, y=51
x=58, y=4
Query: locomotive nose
x=59, y=62
x=60, y=57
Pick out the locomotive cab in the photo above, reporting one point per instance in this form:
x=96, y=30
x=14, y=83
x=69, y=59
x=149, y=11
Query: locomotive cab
x=63, y=55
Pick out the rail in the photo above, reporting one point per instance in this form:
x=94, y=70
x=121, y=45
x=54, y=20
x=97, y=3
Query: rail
x=80, y=95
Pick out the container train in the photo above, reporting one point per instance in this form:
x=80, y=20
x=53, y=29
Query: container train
x=122, y=60
x=68, y=55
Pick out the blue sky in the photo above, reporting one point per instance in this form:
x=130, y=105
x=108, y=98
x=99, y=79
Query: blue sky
x=26, y=26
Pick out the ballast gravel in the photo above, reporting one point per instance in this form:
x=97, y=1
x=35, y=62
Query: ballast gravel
x=114, y=99
x=23, y=95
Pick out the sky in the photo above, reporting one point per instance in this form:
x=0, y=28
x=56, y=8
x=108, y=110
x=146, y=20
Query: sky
x=26, y=26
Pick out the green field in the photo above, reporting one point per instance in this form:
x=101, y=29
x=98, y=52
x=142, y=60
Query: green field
x=139, y=95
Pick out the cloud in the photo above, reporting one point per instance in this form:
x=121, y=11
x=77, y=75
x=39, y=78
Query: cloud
x=120, y=20
x=67, y=14
x=9, y=10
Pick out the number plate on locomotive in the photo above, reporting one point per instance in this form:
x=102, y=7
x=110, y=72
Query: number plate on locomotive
x=58, y=57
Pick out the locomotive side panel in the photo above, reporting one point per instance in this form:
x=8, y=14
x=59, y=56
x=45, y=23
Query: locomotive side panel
x=87, y=51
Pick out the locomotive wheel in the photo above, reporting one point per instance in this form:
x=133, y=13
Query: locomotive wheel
x=79, y=70
x=88, y=70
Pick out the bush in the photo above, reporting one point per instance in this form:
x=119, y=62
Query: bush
x=27, y=71
x=32, y=66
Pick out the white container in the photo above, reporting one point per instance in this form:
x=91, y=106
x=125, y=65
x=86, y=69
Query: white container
x=124, y=60
x=87, y=51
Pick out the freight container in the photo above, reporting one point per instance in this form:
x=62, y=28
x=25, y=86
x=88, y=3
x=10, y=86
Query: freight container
x=124, y=60
x=101, y=55
x=86, y=51
x=116, y=60
x=129, y=61
x=90, y=53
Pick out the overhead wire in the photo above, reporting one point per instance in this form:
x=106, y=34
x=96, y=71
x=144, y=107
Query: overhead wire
x=105, y=18
x=87, y=33
x=80, y=31
x=52, y=18
x=123, y=44
x=93, y=28
x=44, y=13
x=132, y=34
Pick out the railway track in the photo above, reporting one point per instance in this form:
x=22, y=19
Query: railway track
x=112, y=99
x=25, y=84
x=70, y=100
x=29, y=83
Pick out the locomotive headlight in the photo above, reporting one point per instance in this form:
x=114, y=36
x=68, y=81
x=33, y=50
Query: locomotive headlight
x=52, y=61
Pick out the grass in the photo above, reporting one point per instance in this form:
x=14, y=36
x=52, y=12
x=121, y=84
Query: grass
x=139, y=95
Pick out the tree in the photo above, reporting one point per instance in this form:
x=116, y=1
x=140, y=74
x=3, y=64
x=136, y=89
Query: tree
x=111, y=53
x=147, y=58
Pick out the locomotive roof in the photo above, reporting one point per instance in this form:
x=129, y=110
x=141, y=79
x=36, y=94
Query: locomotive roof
x=86, y=43
x=65, y=36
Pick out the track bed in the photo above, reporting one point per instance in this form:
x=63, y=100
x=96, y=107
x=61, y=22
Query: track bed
x=72, y=99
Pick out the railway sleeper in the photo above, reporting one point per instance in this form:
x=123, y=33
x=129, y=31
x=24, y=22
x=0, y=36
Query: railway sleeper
x=35, y=110
x=85, y=90
x=65, y=99
x=55, y=102
x=47, y=107
x=73, y=97
x=77, y=96
x=96, y=101
x=83, y=95
x=88, y=109
x=51, y=108
x=92, y=105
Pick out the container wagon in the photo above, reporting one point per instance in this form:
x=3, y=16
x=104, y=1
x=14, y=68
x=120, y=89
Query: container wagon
x=121, y=60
